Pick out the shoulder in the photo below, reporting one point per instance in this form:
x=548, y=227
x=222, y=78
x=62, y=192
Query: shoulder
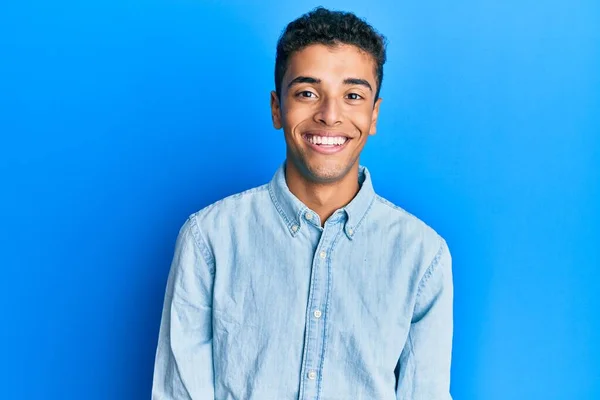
x=237, y=206
x=217, y=224
x=230, y=216
x=396, y=215
x=410, y=232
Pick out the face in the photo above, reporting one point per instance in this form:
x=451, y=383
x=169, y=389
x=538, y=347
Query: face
x=327, y=110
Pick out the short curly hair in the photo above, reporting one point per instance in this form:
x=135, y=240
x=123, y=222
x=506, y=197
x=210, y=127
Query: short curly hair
x=331, y=28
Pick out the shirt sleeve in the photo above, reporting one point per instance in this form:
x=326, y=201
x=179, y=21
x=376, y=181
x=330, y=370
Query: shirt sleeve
x=183, y=368
x=424, y=365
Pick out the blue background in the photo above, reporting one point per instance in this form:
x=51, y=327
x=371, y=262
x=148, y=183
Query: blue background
x=120, y=118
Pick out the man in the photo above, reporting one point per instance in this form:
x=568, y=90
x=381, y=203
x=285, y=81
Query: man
x=311, y=286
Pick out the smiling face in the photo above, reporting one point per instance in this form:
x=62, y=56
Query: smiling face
x=327, y=110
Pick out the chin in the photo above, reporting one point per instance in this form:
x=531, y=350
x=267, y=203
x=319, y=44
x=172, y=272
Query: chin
x=319, y=169
x=324, y=173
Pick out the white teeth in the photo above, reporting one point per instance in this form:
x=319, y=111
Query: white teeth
x=327, y=140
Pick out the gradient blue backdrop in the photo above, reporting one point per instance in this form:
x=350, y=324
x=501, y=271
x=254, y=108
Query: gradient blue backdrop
x=120, y=118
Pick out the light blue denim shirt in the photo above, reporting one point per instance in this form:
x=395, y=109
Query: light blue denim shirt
x=262, y=303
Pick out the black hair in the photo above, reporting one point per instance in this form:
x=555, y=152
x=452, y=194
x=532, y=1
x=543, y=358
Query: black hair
x=330, y=28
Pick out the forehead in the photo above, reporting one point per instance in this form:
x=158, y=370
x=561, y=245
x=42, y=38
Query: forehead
x=331, y=63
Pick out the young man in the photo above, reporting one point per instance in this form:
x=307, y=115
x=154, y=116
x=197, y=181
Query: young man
x=311, y=286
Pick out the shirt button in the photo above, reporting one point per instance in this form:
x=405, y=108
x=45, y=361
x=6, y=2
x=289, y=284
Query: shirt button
x=308, y=216
x=323, y=254
x=295, y=228
x=350, y=231
x=317, y=314
x=312, y=375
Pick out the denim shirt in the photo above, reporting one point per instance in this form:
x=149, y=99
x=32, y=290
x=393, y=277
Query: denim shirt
x=262, y=303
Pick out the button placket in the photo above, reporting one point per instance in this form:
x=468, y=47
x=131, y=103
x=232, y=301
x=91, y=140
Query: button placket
x=315, y=319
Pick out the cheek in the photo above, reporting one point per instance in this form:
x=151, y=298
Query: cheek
x=362, y=119
x=294, y=116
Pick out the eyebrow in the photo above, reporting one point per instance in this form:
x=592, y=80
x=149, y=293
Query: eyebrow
x=358, y=81
x=303, y=79
x=348, y=81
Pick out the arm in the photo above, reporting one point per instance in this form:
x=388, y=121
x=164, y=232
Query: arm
x=183, y=367
x=424, y=365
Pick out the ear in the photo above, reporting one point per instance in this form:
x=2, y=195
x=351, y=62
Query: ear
x=275, y=110
x=374, y=116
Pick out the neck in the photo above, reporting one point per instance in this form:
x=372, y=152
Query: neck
x=322, y=198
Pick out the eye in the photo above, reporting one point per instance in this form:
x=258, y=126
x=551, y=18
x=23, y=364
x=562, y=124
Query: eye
x=354, y=96
x=306, y=94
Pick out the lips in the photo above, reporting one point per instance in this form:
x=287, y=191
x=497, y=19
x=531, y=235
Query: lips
x=326, y=149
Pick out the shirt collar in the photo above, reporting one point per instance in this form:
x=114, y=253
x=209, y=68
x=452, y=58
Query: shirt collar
x=291, y=209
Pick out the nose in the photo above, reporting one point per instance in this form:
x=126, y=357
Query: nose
x=328, y=113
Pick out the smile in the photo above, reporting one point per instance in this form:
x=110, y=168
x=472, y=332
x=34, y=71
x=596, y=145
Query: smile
x=326, y=144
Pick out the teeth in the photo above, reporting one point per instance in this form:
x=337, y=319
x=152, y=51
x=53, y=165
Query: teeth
x=327, y=140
